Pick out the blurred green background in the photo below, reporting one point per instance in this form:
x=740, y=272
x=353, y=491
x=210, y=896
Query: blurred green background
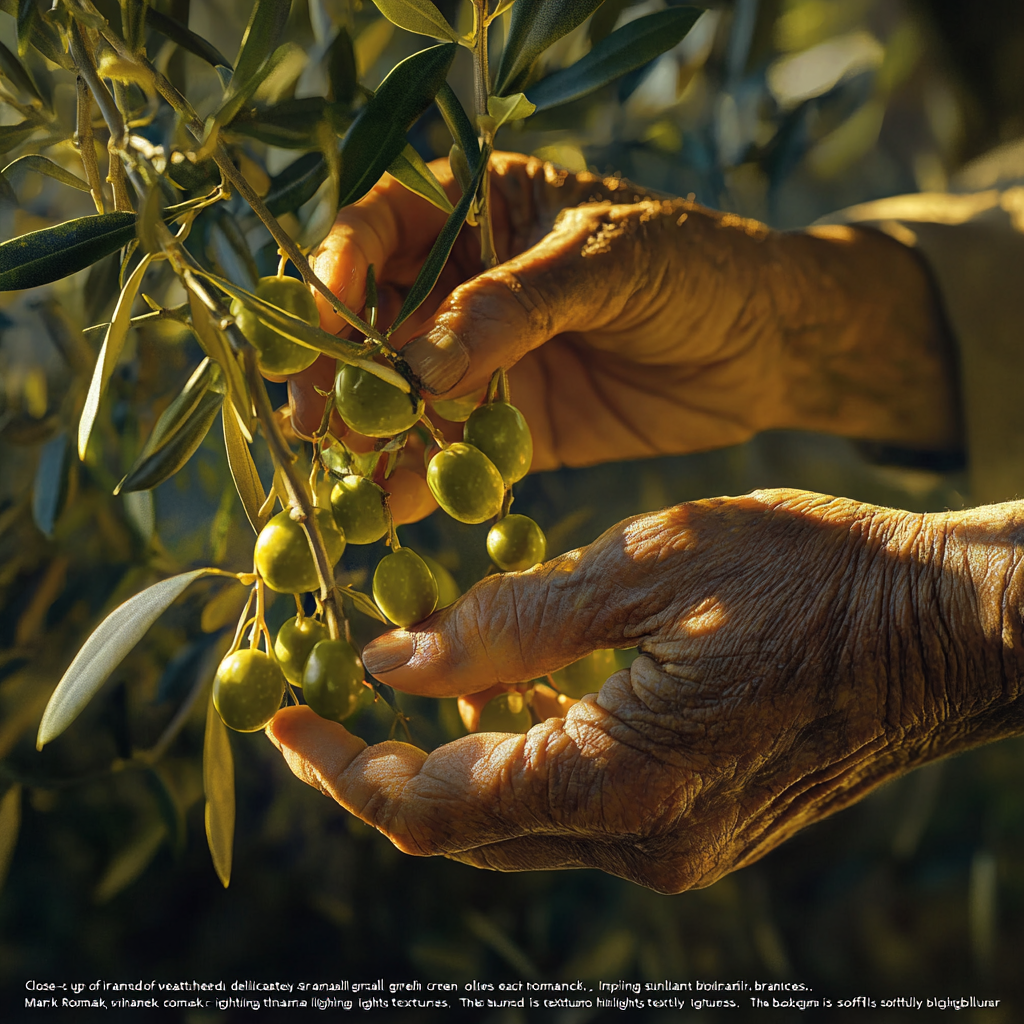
x=779, y=109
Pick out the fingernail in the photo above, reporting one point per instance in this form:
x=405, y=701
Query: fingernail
x=439, y=360
x=388, y=652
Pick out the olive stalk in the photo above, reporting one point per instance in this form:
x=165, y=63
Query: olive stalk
x=482, y=89
x=83, y=143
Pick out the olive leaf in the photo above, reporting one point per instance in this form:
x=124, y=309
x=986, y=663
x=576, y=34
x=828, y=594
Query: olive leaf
x=12, y=69
x=186, y=38
x=296, y=184
x=13, y=135
x=230, y=250
x=459, y=124
x=110, y=352
x=240, y=90
x=291, y=124
x=439, y=253
x=130, y=861
x=50, y=488
x=378, y=133
x=371, y=42
x=7, y=194
x=34, y=30
x=49, y=254
x=631, y=47
x=266, y=25
x=219, y=787
x=243, y=472
x=16, y=169
x=140, y=509
x=216, y=346
x=105, y=649
x=341, y=67
x=10, y=824
x=363, y=603
x=535, y=25
x=419, y=16
x=502, y=109
x=412, y=171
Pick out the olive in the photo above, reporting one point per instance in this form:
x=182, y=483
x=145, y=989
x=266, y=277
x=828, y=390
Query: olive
x=586, y=675
x=505, y=713
x=458, y=410
x=332, y=681
x=282, y=552
x=404, y=588
x=276, y=354
x=499, y=430
x=247, y=690
x=516, y=543
x=295, y=639
x=448, y=591
x=465, y=483
x=358, y=505
x=372, y=406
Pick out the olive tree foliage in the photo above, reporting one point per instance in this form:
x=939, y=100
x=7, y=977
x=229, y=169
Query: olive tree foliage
x=185, y=215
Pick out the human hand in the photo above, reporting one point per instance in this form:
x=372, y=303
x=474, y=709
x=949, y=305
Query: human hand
x=797, y=651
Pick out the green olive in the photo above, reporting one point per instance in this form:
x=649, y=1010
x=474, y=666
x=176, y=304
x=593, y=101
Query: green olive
x=465, y=483
x=247, y=690
x=505, y=713
x=373, y=406
x=404, y=588
x=275, y=353
x=332, y=680
x=499, y=430
x=358, y=506
x=516, y=543
x=282, y=552
x=448, y=591
x=586, y=675
x=295, y=639
x=458, y=410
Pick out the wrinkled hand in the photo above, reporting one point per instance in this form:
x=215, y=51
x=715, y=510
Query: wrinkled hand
x=797, y=650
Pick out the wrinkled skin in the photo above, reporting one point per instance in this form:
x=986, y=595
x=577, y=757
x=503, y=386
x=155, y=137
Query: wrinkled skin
x=797, y=651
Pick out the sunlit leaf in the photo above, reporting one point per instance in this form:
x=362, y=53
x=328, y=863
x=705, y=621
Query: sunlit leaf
x=241, y=89
x=105, y=649
x=219, y=787
x=13, y=135
x=141, y=511
x=50, y=487
x=186, y=38
x=632, y=46
x=291, y=124
x=535, y=25
x=34, y=31
x=412, y=171
x=49, y=254
x=12, y=69
x=243, y=472
x=419, y=16
x=10, y=823
x=459, y=124
x=371, y=42
x=503, y=109
x=296, y=184
x=363, y=603
x=110, y=352
x=41, y=165
x=265, y=28
x=439, y=253
x=223, y=608
x=378, y=133
x=341, y=67
x=7, y=194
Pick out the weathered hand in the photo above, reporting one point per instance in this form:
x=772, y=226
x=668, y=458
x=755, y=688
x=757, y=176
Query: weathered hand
x=797, y=651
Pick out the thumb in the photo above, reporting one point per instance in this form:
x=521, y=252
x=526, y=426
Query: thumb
x=564, y=283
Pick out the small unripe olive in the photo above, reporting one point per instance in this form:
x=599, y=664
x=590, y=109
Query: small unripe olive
x=372, y=406
x=516, y=543
x=588, y=674
x=358, y=505
x=276, y=354
x=465, y=483
x=505, y=713
x=458, y=410
x=247, y=690
x=499, y=430
x=282, y=552
x=404, y=588
x=295, y=639
x=332, y=681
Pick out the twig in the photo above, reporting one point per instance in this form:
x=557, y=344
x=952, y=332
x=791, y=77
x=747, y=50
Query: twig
x=83, y=142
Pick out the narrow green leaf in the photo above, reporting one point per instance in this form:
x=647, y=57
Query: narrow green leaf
x=7, y=194
x=206, y=375
x=50, y=488
x=151, y=470
x=632, y=46
x=41, y=165
x=378, y=133
x=13, y=135
x=411, y=170
x=243, y=472
x=216, y=346
x=419, y=16
x=11, y=67
x=230, y=250
x=439, y=253
x=141, y=512
x=49, y=254
x=110, y=352
x=296, y=184
x=459, y=124
x=10, y=824
x=130, y=861
x=306, y=334
x=34, y=31
x=536, y=24
x=265, y=28
x=105, y=649
x=219, y=787
x=363, y=603
x=341, y=68
x=502, y=109
x=291, y=124
x=240, y=90
x=186, y=38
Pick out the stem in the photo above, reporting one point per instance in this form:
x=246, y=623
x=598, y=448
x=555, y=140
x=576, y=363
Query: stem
x=83, y=142
x=482, y=89
x=115, y=171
